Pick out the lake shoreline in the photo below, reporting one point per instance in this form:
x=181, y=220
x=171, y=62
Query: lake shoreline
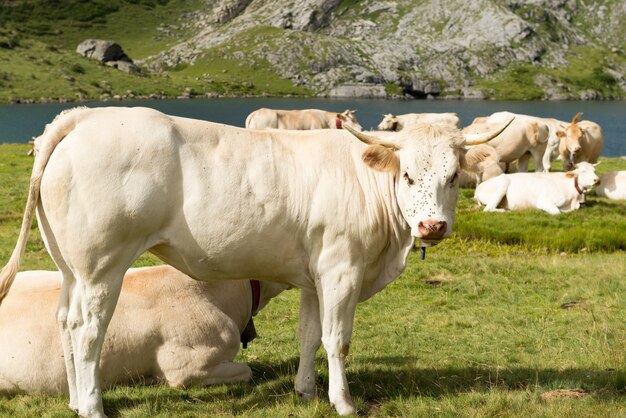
x=20, y=122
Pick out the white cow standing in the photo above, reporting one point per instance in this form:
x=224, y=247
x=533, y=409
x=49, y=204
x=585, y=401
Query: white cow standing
x=319, y=210
x=166, y=327
x=551, y=192
x=612, y=185
x=305, y=119
x=526, y=137
x=396, y=123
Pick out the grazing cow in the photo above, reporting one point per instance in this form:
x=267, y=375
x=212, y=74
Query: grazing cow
x=301, y=119
x=393, y=122
x=551, y=192
x=527, y=136
x=581, y=141
x=166, y=327
x=332, y=212
x=612, y=185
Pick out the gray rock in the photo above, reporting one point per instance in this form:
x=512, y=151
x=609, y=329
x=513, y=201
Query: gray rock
x=365, y=91
x=101, y=50
x=127, y=67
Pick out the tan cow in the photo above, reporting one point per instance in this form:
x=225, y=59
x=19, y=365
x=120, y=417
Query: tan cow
x=581, y=141
x=612, y=185
x=332, y=212
x=167, y=327
x=301, y=119
x=393, y=122
x=526, y=137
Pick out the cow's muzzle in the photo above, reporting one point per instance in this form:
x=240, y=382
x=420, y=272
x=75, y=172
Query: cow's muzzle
x=431, y=230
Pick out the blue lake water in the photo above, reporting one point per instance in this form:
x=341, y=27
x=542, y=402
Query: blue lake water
x=19, y=123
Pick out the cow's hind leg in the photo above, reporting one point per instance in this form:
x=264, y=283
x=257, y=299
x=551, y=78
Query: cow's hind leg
x=91, y=308
x=68, y=286
x=310, y=333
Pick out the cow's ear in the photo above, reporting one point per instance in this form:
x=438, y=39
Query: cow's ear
x=381, y=158
x=341, y=117
x=474, y=157
x=560, y=134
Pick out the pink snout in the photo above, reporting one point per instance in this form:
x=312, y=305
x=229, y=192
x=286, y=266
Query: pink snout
x=431, y=230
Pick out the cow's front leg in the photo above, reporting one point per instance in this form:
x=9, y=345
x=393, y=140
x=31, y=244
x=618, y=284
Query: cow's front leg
x=339, y=294
x=310, y=333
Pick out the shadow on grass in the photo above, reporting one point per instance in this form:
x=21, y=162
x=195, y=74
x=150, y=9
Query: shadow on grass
x=390, y=378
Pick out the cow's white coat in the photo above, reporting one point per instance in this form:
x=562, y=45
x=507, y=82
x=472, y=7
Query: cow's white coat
x=551, y=192
x=303, y=208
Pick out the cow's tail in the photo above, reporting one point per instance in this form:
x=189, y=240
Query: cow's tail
x=249, y=120
x=45, y=145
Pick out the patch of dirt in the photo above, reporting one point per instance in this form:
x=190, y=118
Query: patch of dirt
x=563, y=393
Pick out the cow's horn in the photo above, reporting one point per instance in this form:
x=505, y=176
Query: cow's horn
x=475, y=139
x=370, y=139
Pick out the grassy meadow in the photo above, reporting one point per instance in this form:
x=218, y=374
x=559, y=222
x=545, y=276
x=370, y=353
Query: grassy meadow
x=519, y=314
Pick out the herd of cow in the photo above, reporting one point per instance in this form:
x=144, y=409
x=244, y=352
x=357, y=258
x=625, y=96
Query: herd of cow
x=302, y=199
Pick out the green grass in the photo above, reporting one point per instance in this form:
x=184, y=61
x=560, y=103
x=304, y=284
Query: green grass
x=585, y=70
x=480, y=328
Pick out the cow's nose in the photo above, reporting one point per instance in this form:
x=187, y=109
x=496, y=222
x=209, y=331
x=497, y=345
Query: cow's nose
x=576, y=148
x=431, y=229
x=596, y=181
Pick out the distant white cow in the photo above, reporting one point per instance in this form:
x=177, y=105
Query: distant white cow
x=551, y=192
x=526, y=137
x=612, y=185
x=581, y=141
x=167, y=327
x=332, y=212
x=393, y=122
x=301, y=119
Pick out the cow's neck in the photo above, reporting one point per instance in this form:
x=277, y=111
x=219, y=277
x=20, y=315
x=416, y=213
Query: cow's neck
x=577, y=186
x=393, y=256
x=338, y=123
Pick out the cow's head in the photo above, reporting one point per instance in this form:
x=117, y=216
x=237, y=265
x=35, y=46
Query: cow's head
x=389, y=123
x=425, y=161
x=347, y=118
x=571, y=135
x=586, y=174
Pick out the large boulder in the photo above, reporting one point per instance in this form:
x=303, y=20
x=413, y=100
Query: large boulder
x=101, y=50
x=364, y=91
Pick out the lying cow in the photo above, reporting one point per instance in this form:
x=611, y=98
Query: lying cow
x=612, y=185
x=526, y=137
x=167, y=327
x=332, y=212
x=301, y=119
x=393, y=122
x=551, y=192
x=581, y=141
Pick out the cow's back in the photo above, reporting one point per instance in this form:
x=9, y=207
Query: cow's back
x=157, y=306
x=262, y=119
x=612, y=185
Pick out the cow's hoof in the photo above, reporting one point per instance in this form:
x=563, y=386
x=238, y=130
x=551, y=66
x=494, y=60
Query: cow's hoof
x=73, y=408
x=344, y=408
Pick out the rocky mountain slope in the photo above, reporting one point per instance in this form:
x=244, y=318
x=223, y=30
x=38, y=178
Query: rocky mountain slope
x=503, y=49
x=419, y=48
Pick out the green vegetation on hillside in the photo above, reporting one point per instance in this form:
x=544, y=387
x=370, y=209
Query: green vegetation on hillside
x=38, y=60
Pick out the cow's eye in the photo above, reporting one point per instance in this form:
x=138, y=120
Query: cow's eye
x=408, y=179
x=453, y=178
